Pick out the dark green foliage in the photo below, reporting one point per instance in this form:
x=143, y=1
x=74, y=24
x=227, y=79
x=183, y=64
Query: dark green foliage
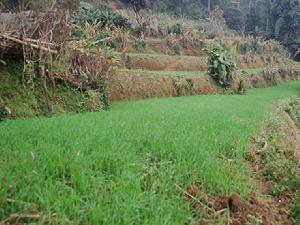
x=252, y=23
x=137, y=5
x=234, y=18
x=285, y=20
x=192, y=9
x=279, y=19
x=175, y=29
x=128, y=62
x=241, y=88
x=257, y=19
x=177, y=49
x=139, y=44
x=100, y=17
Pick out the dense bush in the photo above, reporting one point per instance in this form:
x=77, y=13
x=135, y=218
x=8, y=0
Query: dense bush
x=101, y=17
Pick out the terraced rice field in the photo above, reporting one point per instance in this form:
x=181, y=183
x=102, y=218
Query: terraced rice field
x=179, y=73
x=129, y=165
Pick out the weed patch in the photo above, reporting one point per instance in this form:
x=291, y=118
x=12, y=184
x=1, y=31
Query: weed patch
x=277, y=155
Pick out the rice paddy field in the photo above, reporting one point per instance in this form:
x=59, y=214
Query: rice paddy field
x=131, y=164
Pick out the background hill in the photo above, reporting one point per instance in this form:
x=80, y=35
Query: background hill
x=277, y=19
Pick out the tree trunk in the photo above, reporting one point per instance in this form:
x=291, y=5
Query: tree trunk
x=44, y=86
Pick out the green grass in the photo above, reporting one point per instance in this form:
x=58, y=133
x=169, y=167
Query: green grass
x=254, y=71
x=140, y=72
x=166, y=57
x=122, y=166
x=165, y=73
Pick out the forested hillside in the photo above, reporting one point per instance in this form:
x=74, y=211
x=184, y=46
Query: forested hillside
x=277, y=19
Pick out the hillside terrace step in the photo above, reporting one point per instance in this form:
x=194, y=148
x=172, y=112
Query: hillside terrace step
x=160, y=62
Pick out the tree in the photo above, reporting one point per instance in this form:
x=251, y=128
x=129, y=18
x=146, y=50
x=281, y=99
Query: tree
x=234, y=19
x=285, y=24
x=258, y=19
x=137, y=6
x=253, y=22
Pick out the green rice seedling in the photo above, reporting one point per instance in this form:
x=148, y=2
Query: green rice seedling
x=124, y=166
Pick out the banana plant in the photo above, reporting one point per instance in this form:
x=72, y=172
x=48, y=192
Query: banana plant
x=222, y=66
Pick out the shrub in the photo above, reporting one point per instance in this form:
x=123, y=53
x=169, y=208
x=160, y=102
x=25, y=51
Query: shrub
x=177, y=49
x=241, y=87
x=175, y=29
x=139, y=44
x=128, y=62
x=101, y=17
x=183, y=87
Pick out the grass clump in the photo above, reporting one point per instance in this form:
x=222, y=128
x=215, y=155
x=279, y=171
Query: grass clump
x=139, y=44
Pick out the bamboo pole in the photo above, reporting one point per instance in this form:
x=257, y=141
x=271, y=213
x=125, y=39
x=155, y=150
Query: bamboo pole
x=27, y=43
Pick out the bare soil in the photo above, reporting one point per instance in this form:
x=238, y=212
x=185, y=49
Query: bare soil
x=254, y=210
